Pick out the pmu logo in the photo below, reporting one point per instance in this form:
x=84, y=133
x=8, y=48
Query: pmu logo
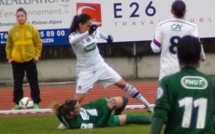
x=92, y=9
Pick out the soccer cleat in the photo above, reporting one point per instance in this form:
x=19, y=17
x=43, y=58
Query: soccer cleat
x=16, y=107
x=61, y=126
x=36, y=106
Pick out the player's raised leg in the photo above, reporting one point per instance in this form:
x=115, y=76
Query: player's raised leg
x=79, y=97
x=84, y=83
x=133, y=92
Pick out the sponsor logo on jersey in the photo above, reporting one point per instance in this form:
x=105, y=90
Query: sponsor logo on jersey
x=176, y=27
x=84, y=114
x=92, y=9
x=159, y=92
x=194, y=82
x=90, y=47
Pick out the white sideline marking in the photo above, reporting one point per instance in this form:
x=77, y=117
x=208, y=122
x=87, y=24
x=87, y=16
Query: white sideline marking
x=50, y=110
x=25, y=111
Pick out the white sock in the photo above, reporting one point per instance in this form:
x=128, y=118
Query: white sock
x=133, y=92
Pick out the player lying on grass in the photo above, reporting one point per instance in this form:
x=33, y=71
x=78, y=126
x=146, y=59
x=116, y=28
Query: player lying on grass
x=97, y=113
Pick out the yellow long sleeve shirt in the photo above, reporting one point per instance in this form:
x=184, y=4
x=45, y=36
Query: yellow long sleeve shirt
x=23, y=43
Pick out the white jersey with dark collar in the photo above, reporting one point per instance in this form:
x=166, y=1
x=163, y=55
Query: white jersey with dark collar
x=86, y=50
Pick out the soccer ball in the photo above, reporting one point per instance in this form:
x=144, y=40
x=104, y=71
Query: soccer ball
x=26, y=103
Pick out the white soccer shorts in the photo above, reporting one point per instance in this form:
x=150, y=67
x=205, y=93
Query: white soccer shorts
x=104, y=76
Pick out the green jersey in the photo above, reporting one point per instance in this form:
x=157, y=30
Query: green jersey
x=92, y=115
x=187, y=100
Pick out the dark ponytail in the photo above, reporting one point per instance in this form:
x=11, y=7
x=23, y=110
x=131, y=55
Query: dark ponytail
x=82, y=18
x=179, y=8
x=74, y=25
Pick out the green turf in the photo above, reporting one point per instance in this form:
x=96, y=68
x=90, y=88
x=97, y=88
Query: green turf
x=47, y=124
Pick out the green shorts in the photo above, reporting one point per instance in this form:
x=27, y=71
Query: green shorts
x=113, y=121
x=101, y=106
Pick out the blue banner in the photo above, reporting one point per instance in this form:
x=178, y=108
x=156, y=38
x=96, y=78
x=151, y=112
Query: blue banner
x=48, y=37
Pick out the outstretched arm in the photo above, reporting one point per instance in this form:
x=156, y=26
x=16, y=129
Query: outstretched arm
x=77, y=37
x=106, y=37
x=103, y=35
x=74, y=38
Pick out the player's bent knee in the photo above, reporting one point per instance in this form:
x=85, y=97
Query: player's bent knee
x=125, y=100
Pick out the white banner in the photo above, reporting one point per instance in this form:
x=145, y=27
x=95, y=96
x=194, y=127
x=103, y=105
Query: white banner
x=128, y=20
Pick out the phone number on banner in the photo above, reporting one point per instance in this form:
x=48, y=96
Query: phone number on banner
x=48, y=37
x=54, y=37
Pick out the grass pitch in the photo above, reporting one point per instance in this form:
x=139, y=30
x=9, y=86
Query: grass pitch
x=47, y=124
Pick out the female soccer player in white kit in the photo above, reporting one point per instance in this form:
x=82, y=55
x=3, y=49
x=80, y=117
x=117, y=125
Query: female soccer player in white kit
x=167, y=35
x=91, y=67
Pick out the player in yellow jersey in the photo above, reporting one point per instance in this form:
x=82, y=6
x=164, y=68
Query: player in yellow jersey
x=23, y=50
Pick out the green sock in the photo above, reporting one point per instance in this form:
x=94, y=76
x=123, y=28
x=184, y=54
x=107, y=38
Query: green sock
x=119, y=110
x=138, y=119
